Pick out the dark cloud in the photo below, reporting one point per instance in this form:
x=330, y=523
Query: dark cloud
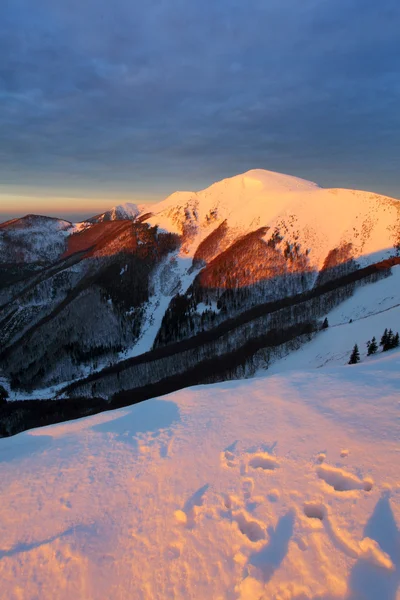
x=161, y=94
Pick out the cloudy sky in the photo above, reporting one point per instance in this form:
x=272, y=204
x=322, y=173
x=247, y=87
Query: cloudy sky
x=102, y=102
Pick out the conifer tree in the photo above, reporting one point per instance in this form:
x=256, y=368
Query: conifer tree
x=396, y=342
x=392, y=341
x=325, y=324
x=372, y=346
x=388, y=345
x=384, y=338
x=355, y=356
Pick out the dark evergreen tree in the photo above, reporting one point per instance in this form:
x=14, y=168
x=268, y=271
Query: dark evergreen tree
x=325, y=324
x=391, y=341
x=372, y=346
x=355, y=356
x=384, y=338
x=388, y=344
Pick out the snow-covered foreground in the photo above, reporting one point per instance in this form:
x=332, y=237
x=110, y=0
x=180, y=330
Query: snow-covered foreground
x=277, y=487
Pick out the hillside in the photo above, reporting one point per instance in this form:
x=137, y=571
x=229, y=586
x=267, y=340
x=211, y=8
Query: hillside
x=355, y=321
x=281, y=487
x=33, y=238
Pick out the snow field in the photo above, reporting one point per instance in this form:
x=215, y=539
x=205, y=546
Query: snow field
x=277, y=487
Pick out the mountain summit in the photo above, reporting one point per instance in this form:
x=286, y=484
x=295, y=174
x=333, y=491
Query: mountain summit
x=128, y=211
x=315, y=218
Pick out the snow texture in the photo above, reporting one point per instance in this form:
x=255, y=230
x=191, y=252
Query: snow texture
x=281, y=487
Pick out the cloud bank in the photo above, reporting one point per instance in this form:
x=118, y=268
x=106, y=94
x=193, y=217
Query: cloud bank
x=156, y=94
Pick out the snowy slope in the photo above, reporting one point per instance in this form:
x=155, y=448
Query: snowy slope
x=173, y=276
x=371, y=309
x=284, y=487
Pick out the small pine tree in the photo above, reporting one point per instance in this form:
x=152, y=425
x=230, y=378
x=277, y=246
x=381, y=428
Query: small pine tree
x=372, y=346
x=388, y=345
x=384, y=338
x=325, y=324
x=355, y=356
x=396, y=342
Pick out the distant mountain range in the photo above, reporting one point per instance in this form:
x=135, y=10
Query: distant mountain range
x=151, y=292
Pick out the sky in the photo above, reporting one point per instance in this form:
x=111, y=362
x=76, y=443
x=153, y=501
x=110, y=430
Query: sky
x=103, y=102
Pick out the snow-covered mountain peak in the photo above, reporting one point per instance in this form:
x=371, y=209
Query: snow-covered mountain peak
x=262, y=180
x=130, y=209
x=242, y=199
x=316, y=219
x=121, y=212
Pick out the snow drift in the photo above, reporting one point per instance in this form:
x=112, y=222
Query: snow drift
x=279, y=487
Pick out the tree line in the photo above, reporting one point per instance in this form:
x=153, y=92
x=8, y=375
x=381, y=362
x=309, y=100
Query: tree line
x=389, y=341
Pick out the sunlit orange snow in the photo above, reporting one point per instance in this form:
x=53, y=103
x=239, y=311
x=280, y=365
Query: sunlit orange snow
x=280, y=487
